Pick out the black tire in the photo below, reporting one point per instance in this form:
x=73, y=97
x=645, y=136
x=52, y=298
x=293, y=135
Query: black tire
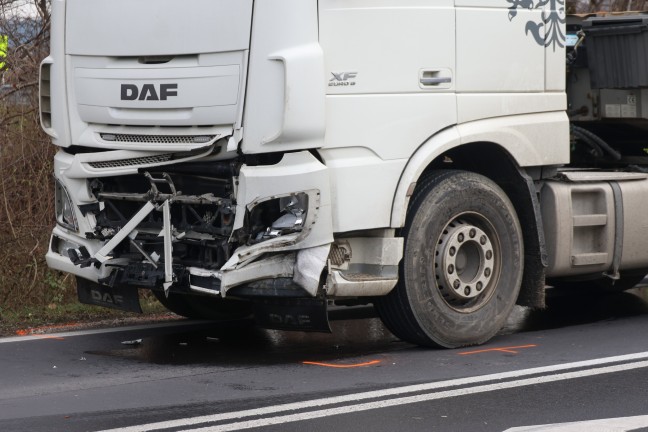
x=466, y=221
x=202, y=307
x=627, y=280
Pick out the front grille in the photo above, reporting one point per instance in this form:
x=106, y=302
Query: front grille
x=157, y=139
x=148, y=160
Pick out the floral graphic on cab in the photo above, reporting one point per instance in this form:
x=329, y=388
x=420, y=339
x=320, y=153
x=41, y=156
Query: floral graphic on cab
x=548, y=31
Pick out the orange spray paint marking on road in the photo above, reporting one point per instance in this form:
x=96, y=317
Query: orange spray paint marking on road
x=36, y=330
x=47, y=337
x=510, y=350
x=342, y=366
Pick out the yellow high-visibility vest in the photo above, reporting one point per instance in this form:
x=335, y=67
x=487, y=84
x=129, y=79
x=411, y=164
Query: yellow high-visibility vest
x=4, y=44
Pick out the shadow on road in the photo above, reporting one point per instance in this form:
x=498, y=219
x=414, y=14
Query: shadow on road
x=356, y=333
x=574, y=307
x=240, y=344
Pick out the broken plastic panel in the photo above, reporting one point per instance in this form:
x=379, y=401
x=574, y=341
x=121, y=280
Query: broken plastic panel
x=293, y=210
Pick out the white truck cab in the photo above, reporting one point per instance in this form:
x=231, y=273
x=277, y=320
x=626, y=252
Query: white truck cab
x=275, y=156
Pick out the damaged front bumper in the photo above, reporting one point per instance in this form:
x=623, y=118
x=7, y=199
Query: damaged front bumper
x=157, y=229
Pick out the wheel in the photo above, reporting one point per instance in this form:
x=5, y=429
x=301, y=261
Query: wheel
x=202, y=307
x=627, y=280
x=462, y=266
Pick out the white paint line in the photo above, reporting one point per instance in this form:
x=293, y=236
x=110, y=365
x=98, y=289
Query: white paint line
x=620, y=424
x=316, y=403
x=309, y=415
x=35, y=337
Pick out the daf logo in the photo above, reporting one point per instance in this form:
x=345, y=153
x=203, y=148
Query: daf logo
x=290, y=320
x=148, y=92
x=100, y=297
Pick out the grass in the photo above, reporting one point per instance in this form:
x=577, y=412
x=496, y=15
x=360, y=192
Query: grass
x=36, y=319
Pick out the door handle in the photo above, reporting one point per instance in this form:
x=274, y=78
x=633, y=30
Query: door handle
x=435, y=80
x=438, y=78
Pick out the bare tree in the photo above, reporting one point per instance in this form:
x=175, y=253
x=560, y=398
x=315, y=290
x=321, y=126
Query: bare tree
x=26, y=203
x=583, y=6
x=26, y=24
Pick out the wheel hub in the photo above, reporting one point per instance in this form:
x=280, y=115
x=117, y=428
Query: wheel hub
x=464, y=261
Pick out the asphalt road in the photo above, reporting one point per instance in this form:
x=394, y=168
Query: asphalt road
x=583, y=359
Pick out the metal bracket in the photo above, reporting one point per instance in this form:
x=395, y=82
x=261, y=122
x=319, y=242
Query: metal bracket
x=166, y=179
x=168, y=247
x=613, y=273
x=102, y=256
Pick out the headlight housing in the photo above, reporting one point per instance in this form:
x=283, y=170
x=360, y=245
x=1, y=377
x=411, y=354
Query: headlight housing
x=279, y=216
x=65, y=214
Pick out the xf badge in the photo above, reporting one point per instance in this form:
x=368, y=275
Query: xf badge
x=343, y=79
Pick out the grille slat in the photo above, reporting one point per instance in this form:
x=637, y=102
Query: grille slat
x=147, y=160
x=157, y=139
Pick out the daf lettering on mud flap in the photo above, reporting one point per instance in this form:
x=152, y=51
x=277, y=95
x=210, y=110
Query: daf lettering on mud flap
x=106, y=298
x=148, y=92
x=289, y=320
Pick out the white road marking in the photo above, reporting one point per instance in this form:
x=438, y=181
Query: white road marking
x=387, y=403
x=35, y=337
x=317, y=403
x=621, y=424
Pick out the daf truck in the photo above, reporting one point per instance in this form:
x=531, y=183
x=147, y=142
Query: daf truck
x=441, y=159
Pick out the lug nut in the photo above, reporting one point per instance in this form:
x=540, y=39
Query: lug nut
x=460, y=237
x=456, y=284
x=487, y=272
x=473, y=233
x=451, y=269
x=480, y=286
x=453, y=251
x=489, y=255
x=482, y=240
x=467, y=291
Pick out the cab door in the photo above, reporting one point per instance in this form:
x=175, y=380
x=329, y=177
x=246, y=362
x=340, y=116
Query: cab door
x=390, y=85
x=390, y=69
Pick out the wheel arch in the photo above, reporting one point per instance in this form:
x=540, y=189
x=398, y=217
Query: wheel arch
x=494, y=161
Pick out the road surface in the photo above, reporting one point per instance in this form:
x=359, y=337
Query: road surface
x=581, y=360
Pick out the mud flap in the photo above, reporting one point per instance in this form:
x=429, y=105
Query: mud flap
x=301, y=314
x=117, y=297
